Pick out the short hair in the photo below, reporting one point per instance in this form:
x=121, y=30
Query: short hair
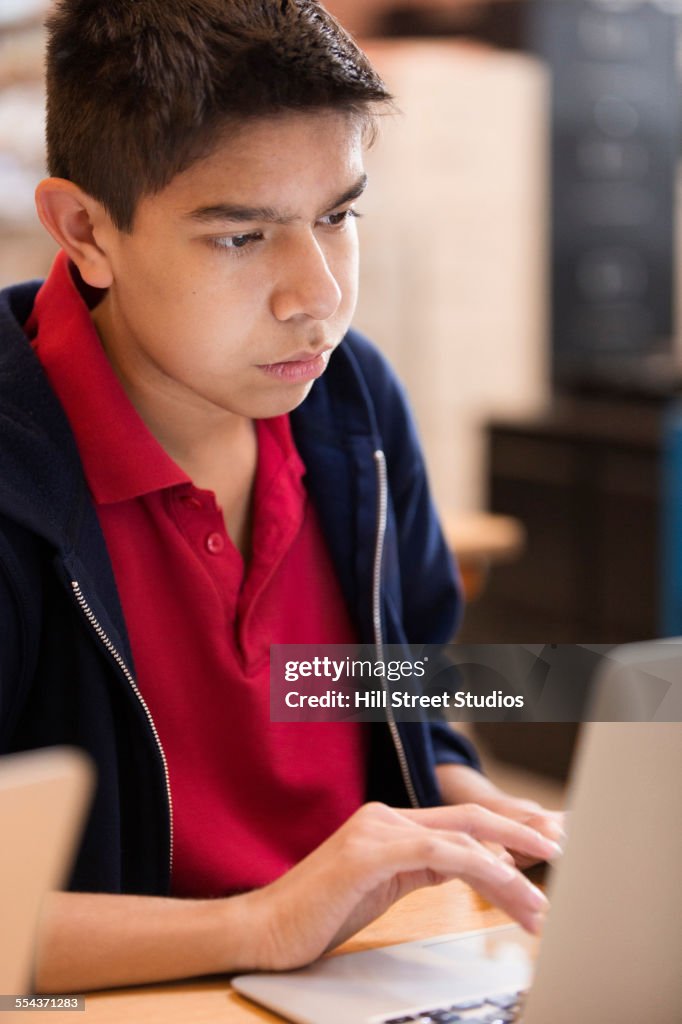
x=138, y=90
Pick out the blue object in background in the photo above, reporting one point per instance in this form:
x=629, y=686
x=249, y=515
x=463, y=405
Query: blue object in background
x=671, y=524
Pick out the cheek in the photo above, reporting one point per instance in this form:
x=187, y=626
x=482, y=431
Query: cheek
x=205, y=300
x=350, y=299
x=345, y=268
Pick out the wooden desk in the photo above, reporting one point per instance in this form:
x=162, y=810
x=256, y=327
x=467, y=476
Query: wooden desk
x=479, y=540
x=448, y=908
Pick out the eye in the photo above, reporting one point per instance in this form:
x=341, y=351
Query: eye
x=336, y=220
x=236, y=241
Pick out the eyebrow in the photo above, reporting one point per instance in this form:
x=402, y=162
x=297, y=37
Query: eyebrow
x=239, y=213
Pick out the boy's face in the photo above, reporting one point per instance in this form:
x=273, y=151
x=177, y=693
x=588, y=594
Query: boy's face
x=240, y=277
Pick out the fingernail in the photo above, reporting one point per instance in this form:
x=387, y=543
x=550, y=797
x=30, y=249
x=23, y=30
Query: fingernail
x=554, y=849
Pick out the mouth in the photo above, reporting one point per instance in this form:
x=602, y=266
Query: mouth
x=302, y=366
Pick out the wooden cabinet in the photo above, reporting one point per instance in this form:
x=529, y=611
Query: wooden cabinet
x=584, y=480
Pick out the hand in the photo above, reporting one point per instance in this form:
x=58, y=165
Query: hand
x=462, y=784
x=379, y=855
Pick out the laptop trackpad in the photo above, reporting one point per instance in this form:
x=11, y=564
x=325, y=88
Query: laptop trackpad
x=435, y=971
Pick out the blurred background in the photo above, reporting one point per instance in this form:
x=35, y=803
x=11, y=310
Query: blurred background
x=521, y=269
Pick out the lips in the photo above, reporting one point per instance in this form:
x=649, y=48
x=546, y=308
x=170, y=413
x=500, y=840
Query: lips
x=304, y=356
x=301, y=366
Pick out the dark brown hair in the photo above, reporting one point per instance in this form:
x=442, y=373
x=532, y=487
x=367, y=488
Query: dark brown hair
x=137, y=90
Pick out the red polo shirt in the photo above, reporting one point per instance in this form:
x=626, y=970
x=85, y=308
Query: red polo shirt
x=250, y=798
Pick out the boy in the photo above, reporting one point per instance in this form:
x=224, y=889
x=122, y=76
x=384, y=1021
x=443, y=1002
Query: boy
x=164, y=519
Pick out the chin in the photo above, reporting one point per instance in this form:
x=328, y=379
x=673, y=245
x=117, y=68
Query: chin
x=288, y=399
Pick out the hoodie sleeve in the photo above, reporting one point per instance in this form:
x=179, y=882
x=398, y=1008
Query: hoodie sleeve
x=14, y=644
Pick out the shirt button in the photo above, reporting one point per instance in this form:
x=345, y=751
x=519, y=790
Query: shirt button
x=215, y=543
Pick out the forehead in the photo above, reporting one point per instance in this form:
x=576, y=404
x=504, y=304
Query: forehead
x=296, y=163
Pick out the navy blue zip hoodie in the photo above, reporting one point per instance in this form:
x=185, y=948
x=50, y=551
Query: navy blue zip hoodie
x=66, y=669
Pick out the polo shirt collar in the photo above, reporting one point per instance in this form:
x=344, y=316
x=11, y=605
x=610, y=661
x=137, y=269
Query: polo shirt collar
x=121, y=457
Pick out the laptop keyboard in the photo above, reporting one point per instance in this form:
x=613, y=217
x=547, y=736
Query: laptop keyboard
x=502, y=1009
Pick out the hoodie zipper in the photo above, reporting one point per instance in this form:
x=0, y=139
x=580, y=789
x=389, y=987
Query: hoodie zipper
x=118, y=658
x=382, y=504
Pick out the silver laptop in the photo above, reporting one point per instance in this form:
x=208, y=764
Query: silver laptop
x=611, y=952
x=43, y=798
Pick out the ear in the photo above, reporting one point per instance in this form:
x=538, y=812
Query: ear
x=75, y=219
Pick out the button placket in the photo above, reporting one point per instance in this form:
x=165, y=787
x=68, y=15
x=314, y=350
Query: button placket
x=201, y=520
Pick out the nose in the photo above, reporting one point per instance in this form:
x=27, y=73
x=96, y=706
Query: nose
x=306, y=287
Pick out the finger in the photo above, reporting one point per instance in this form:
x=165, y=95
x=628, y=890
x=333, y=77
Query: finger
x=549, y=823
x=498, y=851
x=449, y=855
x=487, y=825
x=518, y=898
x=507, y=889
x=523, y=863
x=521, y=837
x=527, y=812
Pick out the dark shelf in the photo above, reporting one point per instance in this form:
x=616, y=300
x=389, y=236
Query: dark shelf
x=584, y=479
